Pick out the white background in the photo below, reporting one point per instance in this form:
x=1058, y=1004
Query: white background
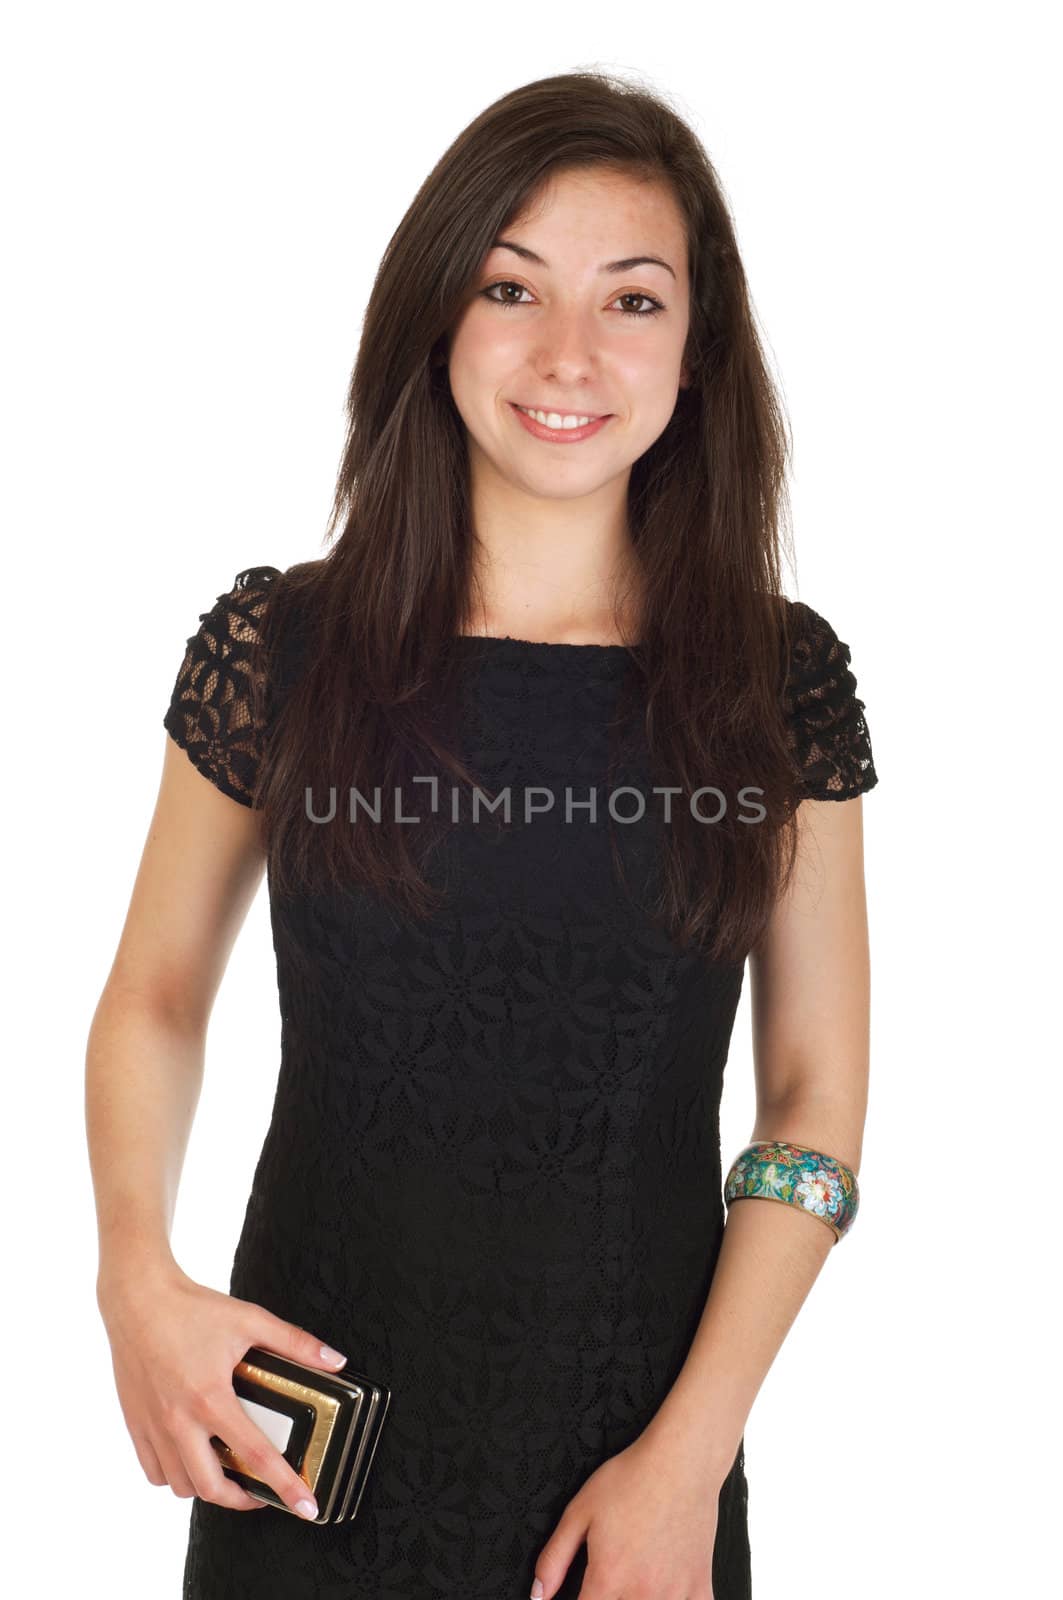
x=197, y=198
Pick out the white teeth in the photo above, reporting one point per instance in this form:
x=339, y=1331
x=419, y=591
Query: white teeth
x=553, y=419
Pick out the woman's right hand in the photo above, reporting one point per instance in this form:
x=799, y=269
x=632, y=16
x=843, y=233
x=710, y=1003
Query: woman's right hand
x=174, y=1345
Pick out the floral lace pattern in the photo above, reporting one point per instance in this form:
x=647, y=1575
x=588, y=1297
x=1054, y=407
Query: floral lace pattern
x=209, y=714
x=825, y=721
x=492, y=1174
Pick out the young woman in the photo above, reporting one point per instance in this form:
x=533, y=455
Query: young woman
x=493, y=1177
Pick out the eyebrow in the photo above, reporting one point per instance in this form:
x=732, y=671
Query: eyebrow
x=607, y=266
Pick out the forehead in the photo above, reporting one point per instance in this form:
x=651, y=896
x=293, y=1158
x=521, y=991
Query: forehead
x=604, y=220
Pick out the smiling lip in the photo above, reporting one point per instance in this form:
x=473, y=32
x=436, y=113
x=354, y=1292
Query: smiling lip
x=595, y=416
x=561, y=435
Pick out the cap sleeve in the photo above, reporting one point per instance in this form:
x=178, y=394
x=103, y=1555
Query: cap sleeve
x=826, y=726
x=212, y=712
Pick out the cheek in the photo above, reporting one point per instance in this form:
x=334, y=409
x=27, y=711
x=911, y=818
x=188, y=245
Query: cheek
x=653, y=383
x=488, y=344
x=647, y=370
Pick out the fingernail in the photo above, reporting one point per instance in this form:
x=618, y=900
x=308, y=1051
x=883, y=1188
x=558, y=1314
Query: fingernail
x=537, y=1589
x=308, y=1508
x=332, y=1355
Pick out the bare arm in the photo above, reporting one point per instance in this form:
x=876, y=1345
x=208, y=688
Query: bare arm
x=175, y=1342
x=200, y=868
x=810, y=996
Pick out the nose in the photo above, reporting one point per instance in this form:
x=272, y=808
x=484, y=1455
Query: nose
x=565, y=350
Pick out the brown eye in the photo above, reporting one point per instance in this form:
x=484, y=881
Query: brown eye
x=504, y=284
x=636, y=294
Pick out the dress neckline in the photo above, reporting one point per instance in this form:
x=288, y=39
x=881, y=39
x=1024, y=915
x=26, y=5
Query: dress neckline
x=536, y=644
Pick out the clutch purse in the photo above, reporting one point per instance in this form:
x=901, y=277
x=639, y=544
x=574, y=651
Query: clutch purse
x=325, y=1424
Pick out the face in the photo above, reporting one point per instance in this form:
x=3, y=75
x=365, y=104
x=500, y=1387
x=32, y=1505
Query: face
x=574, y=323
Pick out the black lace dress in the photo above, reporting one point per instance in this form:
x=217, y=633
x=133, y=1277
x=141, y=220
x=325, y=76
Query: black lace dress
x=493, y=1173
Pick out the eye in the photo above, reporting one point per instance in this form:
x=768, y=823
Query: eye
x=507, y=283
x=503, y=283
x=636, y=294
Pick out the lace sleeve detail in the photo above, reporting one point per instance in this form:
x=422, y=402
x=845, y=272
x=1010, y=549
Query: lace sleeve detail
x=827, y=729
x=211, y=714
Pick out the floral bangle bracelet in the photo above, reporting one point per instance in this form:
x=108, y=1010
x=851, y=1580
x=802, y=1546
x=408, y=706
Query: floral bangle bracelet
x=798, y=1176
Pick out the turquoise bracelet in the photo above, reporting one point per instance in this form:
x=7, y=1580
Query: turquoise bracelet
x=808, y=1179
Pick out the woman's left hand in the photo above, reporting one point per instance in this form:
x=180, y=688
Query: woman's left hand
x=649, y=1519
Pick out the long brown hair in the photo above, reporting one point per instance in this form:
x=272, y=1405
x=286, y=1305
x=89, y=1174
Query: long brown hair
x=373, y=698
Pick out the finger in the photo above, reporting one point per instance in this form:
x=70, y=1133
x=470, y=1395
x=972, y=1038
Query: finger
x=556, y=1555
x=148, y=1459
x=204, y=1468
x=286, y=1339
x=172, y=1465
x=261, y=1459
